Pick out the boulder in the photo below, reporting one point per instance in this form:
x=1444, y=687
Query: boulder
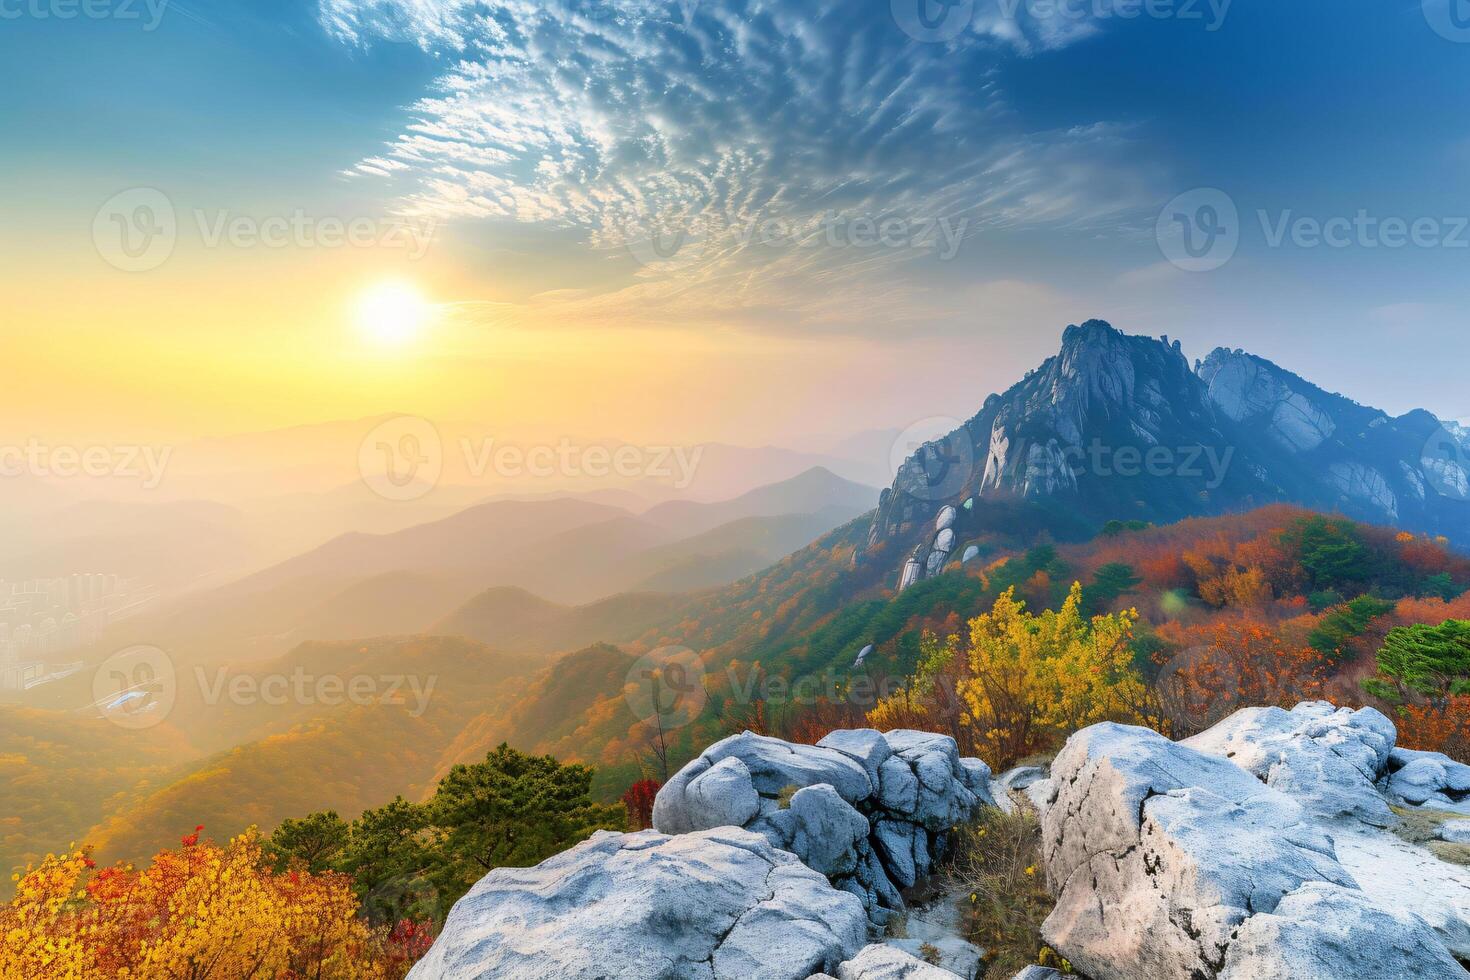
x=713, y=905
x=870, y=810
x=1455, y=832
x=1324, y=930
x=819, y=827
x=951, y=954
x=1327, y=759
x=1162, y=857
x=1428, y=779
x=1038, y=973
x=882, y=962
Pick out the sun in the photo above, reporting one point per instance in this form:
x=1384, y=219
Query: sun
x=393, y=313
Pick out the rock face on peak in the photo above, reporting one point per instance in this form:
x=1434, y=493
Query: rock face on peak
x=714, y=905
x=1121, y=427
x=868, y=809
x=1253, y=850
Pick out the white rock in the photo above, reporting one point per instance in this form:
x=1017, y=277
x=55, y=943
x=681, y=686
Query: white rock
x=1327, y=759
x=946, y=517
x=822, y=829
x=1427, y=777
x=880, y=962
x=870, y=810
x=1323, y=930
x=1022, y=776
x=1404, y=878
x=714, y=905
x=865, y=746
x=971, y=553
x=1455, y=831
x=1162, y=857
x=722, y=795
x=960, y=958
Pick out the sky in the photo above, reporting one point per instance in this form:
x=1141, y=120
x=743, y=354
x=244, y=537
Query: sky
x=739, y=220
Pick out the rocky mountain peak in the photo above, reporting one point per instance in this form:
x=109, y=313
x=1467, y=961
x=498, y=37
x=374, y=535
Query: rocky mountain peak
x=1121, y=426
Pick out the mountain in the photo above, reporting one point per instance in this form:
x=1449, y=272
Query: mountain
x=1118, y=427
x=508, y=618
x=817, y=489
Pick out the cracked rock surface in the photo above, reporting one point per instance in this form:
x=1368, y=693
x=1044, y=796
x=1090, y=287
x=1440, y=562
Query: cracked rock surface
x=870, y=809
x=1169, y=862
x=713, y=905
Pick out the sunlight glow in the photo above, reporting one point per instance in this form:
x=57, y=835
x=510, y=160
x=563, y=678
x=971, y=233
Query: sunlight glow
x=393, y=313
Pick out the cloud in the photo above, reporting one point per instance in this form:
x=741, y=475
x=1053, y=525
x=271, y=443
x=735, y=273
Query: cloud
x=738, y=159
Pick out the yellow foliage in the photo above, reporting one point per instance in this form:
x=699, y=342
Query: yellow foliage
x=1024, y=681
x=203, y=912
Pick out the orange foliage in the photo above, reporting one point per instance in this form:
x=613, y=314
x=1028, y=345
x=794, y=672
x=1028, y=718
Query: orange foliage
x=1438, y=728
x=1227, y=665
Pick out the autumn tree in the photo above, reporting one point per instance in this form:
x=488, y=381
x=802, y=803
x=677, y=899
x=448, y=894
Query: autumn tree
x=201, y=912
x=1214, y=669
x=1024, y=681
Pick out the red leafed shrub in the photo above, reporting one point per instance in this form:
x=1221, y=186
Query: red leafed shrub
x=639, y=801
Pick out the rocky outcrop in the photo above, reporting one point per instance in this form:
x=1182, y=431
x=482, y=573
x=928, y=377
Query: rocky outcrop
x=713, y=905
x=1428, y=779
x=1328, y=759
x=1263, y=857
x=869, y=810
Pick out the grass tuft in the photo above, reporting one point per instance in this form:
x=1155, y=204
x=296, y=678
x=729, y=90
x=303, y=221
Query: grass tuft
x=997, y=864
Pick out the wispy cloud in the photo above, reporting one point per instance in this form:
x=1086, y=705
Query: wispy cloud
x=739, y=152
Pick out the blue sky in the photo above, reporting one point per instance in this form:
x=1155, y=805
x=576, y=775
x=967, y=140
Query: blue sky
x=1022, y=160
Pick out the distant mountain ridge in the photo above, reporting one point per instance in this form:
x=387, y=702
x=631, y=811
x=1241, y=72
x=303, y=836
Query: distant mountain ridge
x=1122, y=427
